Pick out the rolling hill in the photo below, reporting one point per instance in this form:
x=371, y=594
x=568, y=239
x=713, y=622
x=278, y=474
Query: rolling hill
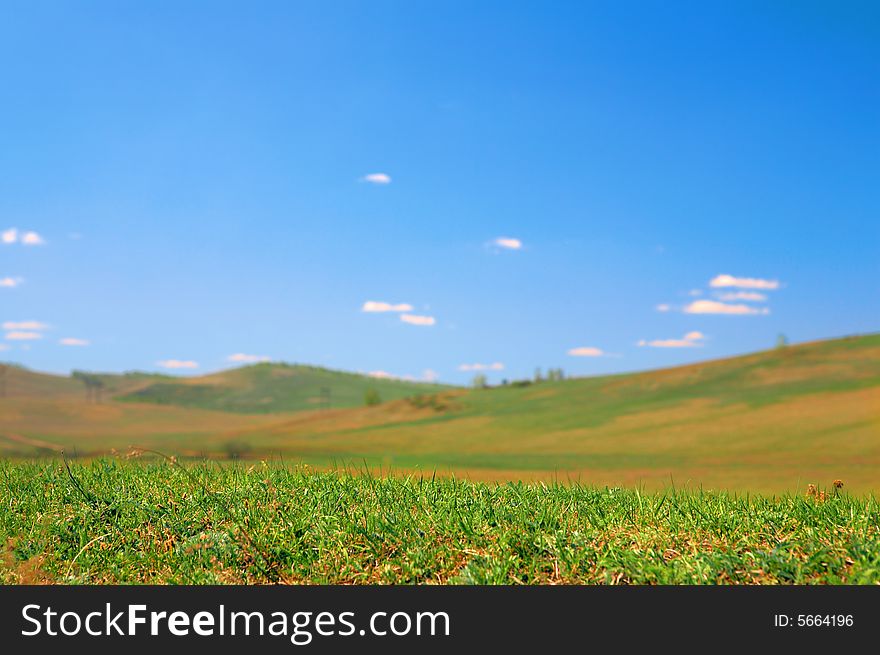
x=256, y=389
x=272, y=388
x=767, y=421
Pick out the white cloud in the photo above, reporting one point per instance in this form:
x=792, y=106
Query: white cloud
x=715, y=307
x=415, y=319
x=32, y=239
x=690, y=340
x=27, y=238
x=378, y=306
x=753, y=296
x=663, y=307
x=508, y=243
x=695, y=292
x=377, y=178
x=725, y=280
x=247, y=359
x=382, y=375
x=10, y=282
x=177, y=363
x=495, y=366
x=24, y=325
x=23, y=336
x=427, y=376
x=586, y=351
x=4, y=346
x=669, y=343
x=71, y=341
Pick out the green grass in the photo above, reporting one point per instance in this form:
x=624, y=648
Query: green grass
x=153, y=522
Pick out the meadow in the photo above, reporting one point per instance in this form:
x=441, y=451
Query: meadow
x=768, y=422
x=758, y=469
x=154, y=520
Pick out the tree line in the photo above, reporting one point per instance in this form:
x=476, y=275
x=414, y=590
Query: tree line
x=480, y=381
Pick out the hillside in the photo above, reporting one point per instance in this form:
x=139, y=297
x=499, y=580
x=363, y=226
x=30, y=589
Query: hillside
x=767, y=421
x=272, y=388
x=22, y=382
x=257, y=389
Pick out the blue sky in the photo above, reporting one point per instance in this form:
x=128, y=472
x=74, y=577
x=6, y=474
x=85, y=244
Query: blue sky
x=189, y=181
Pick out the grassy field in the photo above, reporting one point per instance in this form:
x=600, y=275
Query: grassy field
x=767, y=422
x=114, y=521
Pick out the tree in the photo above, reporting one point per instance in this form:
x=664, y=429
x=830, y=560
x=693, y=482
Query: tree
x=781, y=341
x=93, y=385
x=538, y=376
x=326, y=397
x=98, y=388
x=480, y=381
x=372, y=397
x=555, y=374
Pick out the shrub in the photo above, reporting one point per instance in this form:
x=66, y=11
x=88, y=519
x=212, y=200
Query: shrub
x=372, y=397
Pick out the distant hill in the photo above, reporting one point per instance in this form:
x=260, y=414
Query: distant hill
x=808, y=413
x=270, y=388
x=23, y=382
x=766, y=421
x=256, y=389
